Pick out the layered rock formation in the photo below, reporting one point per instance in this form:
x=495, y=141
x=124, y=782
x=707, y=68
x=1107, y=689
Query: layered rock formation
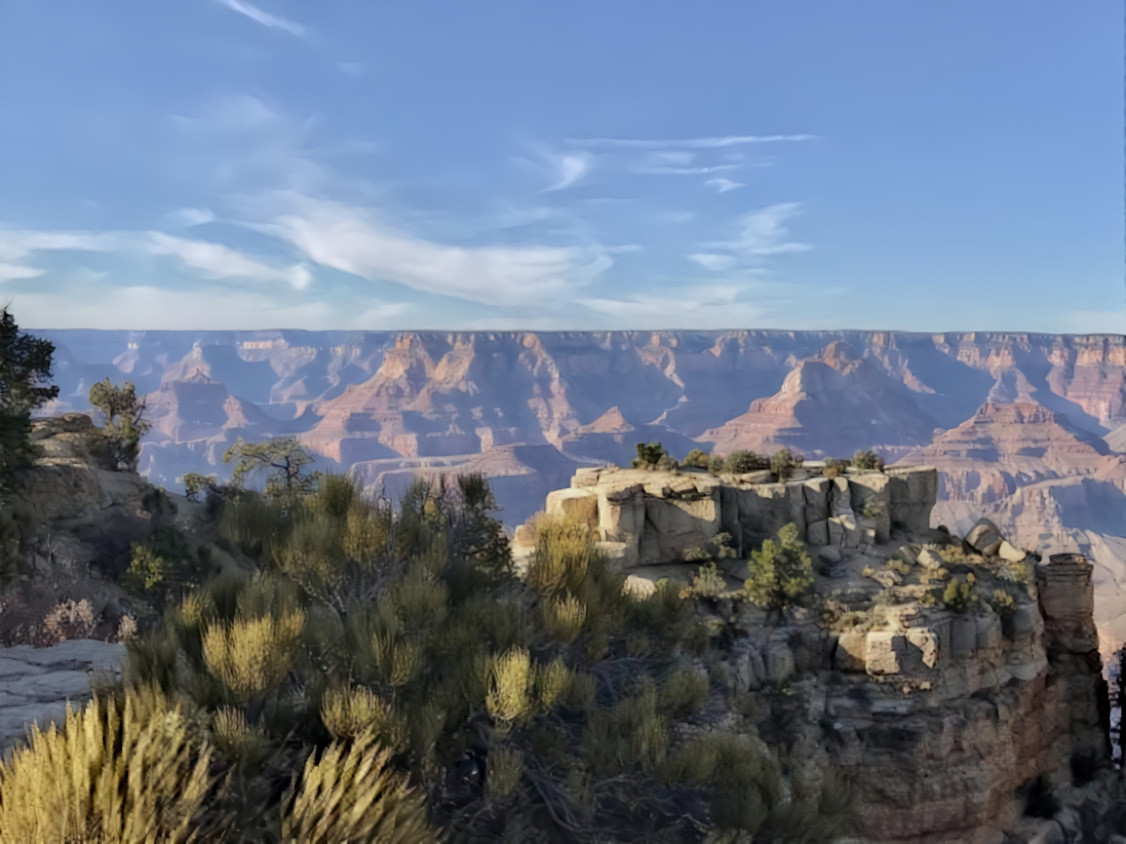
x=1024, y=428
x=645, y=518
x=946, y=716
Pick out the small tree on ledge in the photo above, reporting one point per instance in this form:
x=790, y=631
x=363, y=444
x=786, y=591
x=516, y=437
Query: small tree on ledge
x=780, y=572
x=650, y=456
x=123, y=420
x=284, y=462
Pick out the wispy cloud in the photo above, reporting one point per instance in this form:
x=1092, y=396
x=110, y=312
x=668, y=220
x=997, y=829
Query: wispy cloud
x=727, y=304
x=567, y=168
x=213, y=260
x=713, y=261
x=724, y=185
x=16, y=272
x=764, y=232
x=145, y=307
x=351, y=68
x=685, y=171
x=355, y=240
x=683, y=143
x=263, y=17
x=191, y=217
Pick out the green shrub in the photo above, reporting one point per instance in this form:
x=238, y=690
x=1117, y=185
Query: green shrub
x=708, y=582
x=564, y=617
x=649, y=455
x=959, y=595
x=563, y=554
x=510, y=686
x=124, y=423
x=899, y=566
x=683, y=692
x=504, y=771
x=781, y=573
x=166, y=566
x=252, y=655
x=716, y=464
x=782, y=462
x=743, y=461
x=696, y=459
x=868, y=460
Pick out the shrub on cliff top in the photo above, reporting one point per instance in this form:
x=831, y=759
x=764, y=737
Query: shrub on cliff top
x=781, y=572
x=782, y=461
x=868, y=460
x=123, y=422
x=649, y=455
x=743, y=461
x=696, y=459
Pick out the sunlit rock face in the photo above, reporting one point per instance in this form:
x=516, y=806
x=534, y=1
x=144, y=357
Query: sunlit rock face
x=939, y=716
x=1027, y=429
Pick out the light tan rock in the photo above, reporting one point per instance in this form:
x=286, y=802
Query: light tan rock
x=579, y=505
x=851, y=653
x=1011, y=554
x=926, y=641
x=930, y=559
x=984, y=536
x=885, y=653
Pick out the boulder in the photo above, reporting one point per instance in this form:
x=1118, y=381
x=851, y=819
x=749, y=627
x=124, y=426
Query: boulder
x=885, y=653
x=926, y=642
x=984, y=537
x=851, y=652
x=930, y=559
x=579, y=505
x=639, y=587
x=1010, y=553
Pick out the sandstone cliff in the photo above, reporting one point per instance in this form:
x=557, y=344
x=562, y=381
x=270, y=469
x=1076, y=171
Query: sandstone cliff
x=1023, y=428
x=945, y=717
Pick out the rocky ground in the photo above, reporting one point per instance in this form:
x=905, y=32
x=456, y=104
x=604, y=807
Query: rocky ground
x=37, y=684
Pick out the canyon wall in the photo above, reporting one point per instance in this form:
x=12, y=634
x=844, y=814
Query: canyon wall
x=945, y=717
x=1027, y=429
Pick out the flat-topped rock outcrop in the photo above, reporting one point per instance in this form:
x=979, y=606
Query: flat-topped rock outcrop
x=647, y=518
x=943, y=707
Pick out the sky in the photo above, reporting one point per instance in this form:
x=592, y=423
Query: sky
x=514, y=165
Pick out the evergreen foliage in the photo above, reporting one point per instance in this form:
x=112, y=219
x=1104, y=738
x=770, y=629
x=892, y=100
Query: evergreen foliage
x=695, y=459
x=25, y=370
x=284, y=463
x=781, y=572
x=123, y=422
x=743, y=461
x=339, y=689
x=868, y=460
x=650, y=455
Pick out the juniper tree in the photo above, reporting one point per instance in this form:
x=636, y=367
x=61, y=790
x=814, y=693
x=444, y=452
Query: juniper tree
x=25, y=369
x=284, y=462
x=780, y=572
x=123, y=420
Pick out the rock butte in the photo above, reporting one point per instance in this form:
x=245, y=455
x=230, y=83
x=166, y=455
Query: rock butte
x=937, y=718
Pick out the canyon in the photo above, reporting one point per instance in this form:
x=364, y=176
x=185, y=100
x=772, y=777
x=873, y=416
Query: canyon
x=1026, y=429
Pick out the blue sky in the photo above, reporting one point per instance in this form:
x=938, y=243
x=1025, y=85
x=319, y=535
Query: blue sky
x=556, y=165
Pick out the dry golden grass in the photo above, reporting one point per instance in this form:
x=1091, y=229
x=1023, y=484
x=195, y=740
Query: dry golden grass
x=252, y=655
x=351, y=794
x=123, y=770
